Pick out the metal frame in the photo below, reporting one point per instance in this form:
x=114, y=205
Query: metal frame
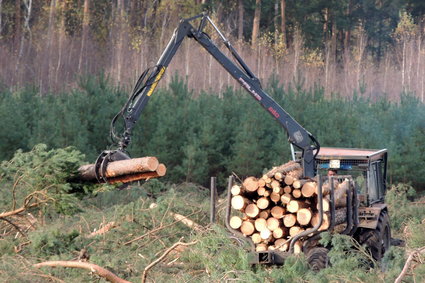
x=297, y=135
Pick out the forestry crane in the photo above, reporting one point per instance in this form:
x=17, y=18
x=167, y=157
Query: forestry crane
x=366, y=216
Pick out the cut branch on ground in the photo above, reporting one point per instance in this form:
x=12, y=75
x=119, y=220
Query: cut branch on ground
x=100, y=271
x=152, y=264
x=413, y=256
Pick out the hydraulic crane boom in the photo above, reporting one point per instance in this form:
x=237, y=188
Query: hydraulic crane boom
x=148, y=81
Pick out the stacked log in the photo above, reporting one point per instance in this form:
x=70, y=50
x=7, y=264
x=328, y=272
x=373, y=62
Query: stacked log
x=282, y=204
x=125, y=171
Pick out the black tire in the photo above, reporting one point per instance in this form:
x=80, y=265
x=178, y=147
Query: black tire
x=317, y=258
x=378, y=241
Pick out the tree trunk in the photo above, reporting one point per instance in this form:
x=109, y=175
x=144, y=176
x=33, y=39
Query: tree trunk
x=27, y=30
x=240, y=20
x=252, y=210
x=283, y=169
x=260, y=224
x=263, y=203
x=295, y=205
x=250, y=184
x=277, y=212
x=283, y=22
x=273, y=223
x=17, y=24
x=235, y=222
x=325, y=24
x=279, y=233
x=84, y=35
x=304, y=216
x=308, y=189
x=289, y=220
x=120, y=168
x=62, y=7
x=50, y=37
x=333, y=39
x=236, y=190
x=1, y=13
x=295, y=230
x=239, y=202
x=296, y=193
x=256, y=23
x=256, y=238
x=247, y=228
x=159, y=172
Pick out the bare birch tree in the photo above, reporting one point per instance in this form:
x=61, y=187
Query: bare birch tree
x=1, y=12
x=50, y=38
x=256, y=24
x=62, y=7
x=240, y=19
x=283, y=20
x=27, y=30
x=86, y=20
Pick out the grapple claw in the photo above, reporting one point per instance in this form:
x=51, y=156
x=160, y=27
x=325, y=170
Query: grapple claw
x=102, y=162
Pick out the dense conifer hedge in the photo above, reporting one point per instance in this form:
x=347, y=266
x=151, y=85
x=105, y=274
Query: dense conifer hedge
x=202, y=135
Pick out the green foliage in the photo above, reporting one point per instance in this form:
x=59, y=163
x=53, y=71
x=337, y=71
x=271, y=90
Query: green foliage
x=198, y=136
x=39, y=177
x=216, y=256
x=398, y=199
x=54, y=241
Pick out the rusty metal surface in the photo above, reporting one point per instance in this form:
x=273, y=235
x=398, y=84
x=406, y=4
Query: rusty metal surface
x=368, y=216
x=354, y=153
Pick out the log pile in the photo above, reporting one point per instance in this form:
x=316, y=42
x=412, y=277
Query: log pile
x=280, y=205
x=125, y=171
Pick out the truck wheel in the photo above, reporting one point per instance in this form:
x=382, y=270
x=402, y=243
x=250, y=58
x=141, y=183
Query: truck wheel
x=378, y=241
x=317, y=258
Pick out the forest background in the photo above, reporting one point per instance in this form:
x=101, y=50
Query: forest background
x=351, y=72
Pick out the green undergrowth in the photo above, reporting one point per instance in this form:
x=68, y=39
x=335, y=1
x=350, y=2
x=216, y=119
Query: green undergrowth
x=143, y=228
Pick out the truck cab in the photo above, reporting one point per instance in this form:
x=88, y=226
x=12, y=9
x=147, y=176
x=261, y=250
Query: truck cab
x=367, y=166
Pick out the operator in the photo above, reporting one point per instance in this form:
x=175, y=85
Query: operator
x=332, y=172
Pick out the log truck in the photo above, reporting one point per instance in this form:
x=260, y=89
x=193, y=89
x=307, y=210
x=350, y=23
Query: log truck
x=367, y=214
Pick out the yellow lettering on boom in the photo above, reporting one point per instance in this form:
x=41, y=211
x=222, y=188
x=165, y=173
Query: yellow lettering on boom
x=158, y=77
